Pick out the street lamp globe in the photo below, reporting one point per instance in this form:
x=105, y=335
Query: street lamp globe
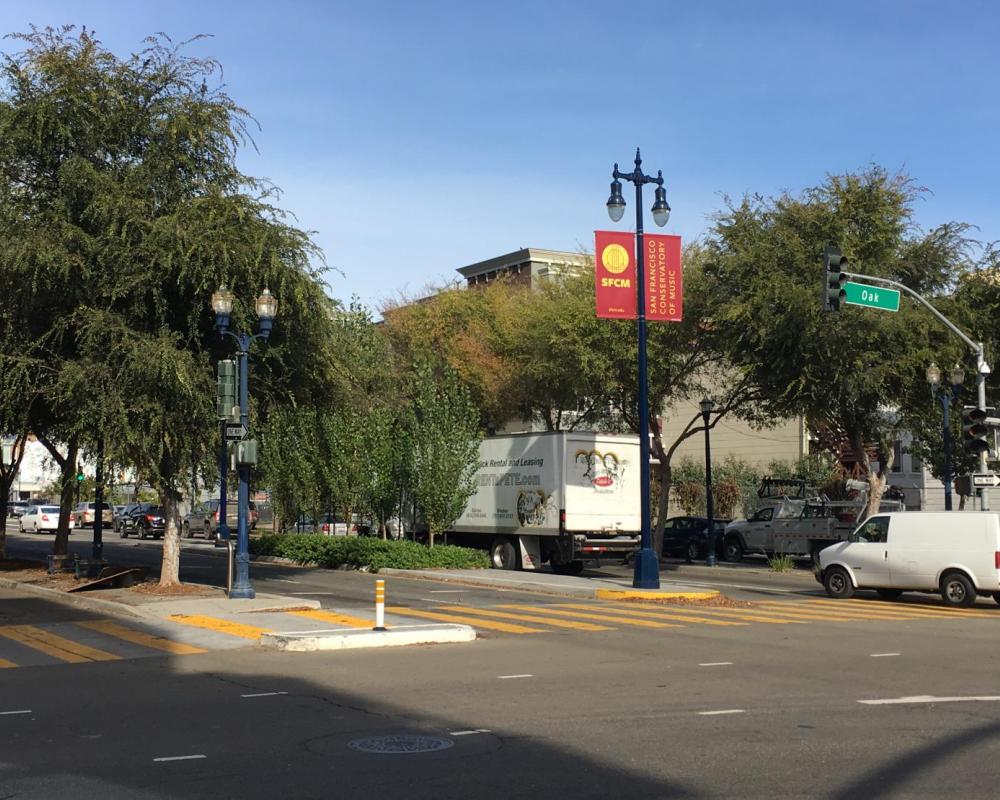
x=267, y=305
x=661, y=209
x=957, y=375
x=616, y=203
x=706, y=406
x=933, y=375
x=222, y=300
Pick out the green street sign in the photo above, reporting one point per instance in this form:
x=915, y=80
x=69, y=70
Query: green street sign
x=861, y=294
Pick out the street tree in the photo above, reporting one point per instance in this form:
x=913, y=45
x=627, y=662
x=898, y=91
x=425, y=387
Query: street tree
x=846, y=371
x=121, y=210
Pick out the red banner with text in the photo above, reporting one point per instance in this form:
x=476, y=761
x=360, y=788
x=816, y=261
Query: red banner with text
x=664, y=279
x=614, y=275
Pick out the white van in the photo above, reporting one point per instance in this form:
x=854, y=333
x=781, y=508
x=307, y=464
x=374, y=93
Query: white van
x=956, y=554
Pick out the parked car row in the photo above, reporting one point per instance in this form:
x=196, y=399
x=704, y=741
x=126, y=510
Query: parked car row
x=38, y=518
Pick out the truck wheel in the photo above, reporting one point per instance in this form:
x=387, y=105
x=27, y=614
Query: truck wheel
x=503, y=554
x=733, y=549
x=889, y=594
x=957, y=590
x=838, y=583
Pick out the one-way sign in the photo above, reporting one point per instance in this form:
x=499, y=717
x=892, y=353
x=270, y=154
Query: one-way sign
x=236, y=431
x=985, y=480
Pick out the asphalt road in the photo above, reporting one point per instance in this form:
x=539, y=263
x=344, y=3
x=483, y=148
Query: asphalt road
x=834, y=709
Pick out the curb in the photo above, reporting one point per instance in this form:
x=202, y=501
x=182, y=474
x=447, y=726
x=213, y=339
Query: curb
x=353, y=639
x=655, y=594
x=75, y=601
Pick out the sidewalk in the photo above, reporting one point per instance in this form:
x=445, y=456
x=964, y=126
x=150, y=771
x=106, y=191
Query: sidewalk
x=586, y=586
x=206, y=617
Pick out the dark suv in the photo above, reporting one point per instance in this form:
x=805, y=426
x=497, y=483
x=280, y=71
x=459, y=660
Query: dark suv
x=144, y=520
x=687, y=537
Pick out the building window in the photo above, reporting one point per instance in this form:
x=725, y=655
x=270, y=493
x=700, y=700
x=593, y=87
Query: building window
x=915, y=465
x=897, y=456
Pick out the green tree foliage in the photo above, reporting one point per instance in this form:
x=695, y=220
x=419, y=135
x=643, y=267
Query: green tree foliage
x=121, y=210
x=844, y=370
x=445, y=436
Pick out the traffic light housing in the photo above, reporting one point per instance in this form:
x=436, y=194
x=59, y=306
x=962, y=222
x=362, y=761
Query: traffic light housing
x=834, y=263
x=79, y=476
x=226, y=396
x=975, y=430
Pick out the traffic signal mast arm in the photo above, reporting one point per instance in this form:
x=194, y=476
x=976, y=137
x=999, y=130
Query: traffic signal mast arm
x=982, y=368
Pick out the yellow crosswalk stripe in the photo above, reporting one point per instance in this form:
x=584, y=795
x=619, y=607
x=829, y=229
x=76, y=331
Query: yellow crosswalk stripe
x=679, y=615
x=109, y=628
x=220, y=625
x=745, y=615
x=905, y=608
x=334, y=617
x=5, y=664
x=639, y=623
x=557, y=623
x=54, y=645
x=828, y=615
x=505, y=627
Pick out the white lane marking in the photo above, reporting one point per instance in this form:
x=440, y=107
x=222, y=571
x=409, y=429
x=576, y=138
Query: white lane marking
x=883, y=655
x=716, y=664
x=8, y=713
x=722, y=711
x=263, y=694
x=508, y=677
x=180, y=758
x=435, y=600
x=283, y=580
x=929, y=698
x=469, y=733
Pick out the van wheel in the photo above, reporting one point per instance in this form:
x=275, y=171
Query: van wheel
x=889, y=594
x=503, y=554
x=838, y=583
x=957, y=590
x=733, y=550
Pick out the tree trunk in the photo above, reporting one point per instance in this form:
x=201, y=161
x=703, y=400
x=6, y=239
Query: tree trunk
x=663, y=506
x=170, y=567
x=877, y=481
x=961, y=502
x=67, y=477
x=430, y=536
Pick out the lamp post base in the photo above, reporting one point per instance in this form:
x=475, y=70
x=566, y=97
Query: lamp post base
x=242, y=592
x=711, y=561
x=647, y=570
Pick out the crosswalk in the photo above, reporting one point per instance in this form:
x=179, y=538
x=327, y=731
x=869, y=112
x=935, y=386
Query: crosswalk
x=105, y=640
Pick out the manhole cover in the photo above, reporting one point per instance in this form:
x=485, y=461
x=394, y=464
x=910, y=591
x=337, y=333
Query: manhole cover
x=402, y=743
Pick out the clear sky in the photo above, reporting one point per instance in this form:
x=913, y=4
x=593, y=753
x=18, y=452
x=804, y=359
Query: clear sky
x=418, y=137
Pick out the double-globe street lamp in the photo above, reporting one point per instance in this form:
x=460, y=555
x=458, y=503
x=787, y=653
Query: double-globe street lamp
x=267, y=307
x=706, y=406
x=946, y=396
x=647, y=563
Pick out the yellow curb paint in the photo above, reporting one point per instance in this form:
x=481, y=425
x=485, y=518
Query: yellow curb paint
x=110, y=628
x=679, y=615
x=331, y=616
x=618, y=619
x=5, y=664
x=652, y=595
x=220, y=625
x=54, y=645
x=505, y=627
x=533, y=617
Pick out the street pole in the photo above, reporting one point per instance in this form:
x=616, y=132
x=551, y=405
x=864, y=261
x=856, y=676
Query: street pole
x=982, y=370
x=242, y=590
x=945, y=398
x=97, y=550
x=647, y=563
x=706, y=406
x=223, y=483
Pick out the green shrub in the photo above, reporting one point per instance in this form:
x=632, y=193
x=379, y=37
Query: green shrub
x=783, y=563
x=364, y=553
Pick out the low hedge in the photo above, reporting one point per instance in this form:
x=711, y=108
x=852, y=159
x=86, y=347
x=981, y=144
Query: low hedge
x=357, y=552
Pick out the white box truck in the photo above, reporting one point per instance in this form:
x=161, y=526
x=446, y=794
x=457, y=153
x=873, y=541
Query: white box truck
x=558, y=497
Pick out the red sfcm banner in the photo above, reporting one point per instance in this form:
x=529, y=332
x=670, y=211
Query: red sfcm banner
x=614, y=275
x=664, y=279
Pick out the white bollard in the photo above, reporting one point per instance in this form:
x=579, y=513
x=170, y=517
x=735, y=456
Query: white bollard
x=379, y=604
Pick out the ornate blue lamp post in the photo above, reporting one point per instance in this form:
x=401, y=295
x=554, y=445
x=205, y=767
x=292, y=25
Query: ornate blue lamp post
x=647, y=563
x=267, y=307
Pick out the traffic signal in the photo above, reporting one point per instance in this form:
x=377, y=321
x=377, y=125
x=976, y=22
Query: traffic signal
x=833, y=289
x=974, y=430
x=79, y=476
x=226, y=389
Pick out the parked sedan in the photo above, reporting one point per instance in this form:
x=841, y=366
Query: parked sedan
x=85, y=513
x=41, y=518
x=687, y=537
x=16, y=508
x=145, y=520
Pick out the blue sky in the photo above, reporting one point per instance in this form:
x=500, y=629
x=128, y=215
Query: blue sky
x=418, y=137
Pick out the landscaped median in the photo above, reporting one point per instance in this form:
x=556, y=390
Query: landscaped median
x=363, y=553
